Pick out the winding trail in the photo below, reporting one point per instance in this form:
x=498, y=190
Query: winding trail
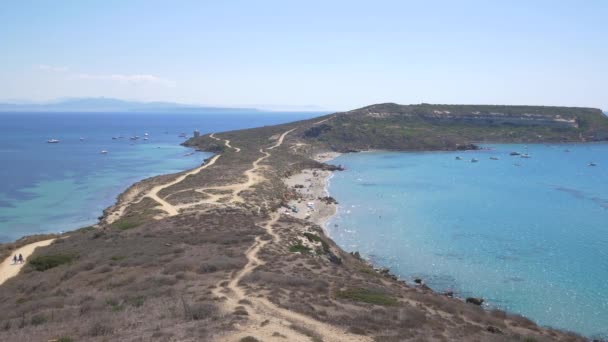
x=226, y=142
x=275, y=318
x=9, y=270
x=251, y=174
x=168, y=207
x=265, y=319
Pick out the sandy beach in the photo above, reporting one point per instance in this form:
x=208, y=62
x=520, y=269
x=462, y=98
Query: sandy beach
x=311, y=187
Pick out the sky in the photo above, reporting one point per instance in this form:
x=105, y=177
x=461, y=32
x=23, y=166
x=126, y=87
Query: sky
x=331, y=54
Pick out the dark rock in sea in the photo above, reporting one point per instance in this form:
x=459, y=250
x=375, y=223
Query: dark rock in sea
x=449, y=294
x=476, y=301
x=425, y=288
x=355, y=254
x=467, y=147
x=384, y=271
x=418, y=281
x=328, y=200
x=493, y=329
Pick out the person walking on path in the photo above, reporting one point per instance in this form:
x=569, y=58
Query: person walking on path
x=15, y=259
x=20, y=258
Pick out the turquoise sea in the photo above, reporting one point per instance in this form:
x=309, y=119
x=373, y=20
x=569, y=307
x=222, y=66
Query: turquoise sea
x=58, y=187
x=528, y=235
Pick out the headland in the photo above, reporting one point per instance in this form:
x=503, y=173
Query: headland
x=234, y=250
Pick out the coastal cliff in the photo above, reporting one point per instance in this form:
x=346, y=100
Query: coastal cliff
x=212, y=254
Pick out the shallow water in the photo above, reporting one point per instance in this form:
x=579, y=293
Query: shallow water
x=57, y=187
x=529, y=235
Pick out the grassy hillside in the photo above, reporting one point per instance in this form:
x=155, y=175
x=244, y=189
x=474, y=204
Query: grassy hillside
x=448, y=127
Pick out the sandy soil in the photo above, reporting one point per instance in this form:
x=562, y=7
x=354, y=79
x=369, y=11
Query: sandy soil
x=9, y=270
x=315, y=187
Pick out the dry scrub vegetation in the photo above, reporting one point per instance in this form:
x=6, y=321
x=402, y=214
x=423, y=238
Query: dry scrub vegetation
x=148, y=276
x=148, y=282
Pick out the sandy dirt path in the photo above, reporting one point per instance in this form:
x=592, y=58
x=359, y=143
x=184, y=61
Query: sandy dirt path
x=9, y=270
x=251, y=174
x=275, y=319
x=119, y=209
x=166, y=206
x=226, y=142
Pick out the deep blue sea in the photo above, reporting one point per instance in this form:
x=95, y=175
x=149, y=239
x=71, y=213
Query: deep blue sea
x=528, y=235
x=58, y=187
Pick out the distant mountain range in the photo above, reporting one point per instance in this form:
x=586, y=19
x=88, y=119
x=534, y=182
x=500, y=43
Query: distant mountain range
x=109, y=105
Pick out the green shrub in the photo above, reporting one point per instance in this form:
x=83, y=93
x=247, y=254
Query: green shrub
x=299, y=248
x=65, y=339
x=249, y=339
x=118, y=257
x=367, y=296
x=135, y=301
x=312, y=237
x=45, y=262
x=38, y=319
x=124, y=224
x=316, y=238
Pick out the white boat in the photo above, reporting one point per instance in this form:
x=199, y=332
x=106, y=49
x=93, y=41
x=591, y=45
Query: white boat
x=525, y=155
x=81, y=139
x=474, y=160
x=146, y=134
x=145, y=138
x=134, y=137
x=182, y=135
x=103, y=152
x=494, y=158
x=458, y=158
x=52, y=141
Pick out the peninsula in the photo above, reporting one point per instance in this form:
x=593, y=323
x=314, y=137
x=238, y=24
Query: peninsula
x=218, y=253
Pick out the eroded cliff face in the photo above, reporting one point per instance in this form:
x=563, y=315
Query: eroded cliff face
x=488, y=118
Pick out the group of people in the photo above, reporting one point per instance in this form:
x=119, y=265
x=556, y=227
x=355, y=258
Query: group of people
x=18, y=259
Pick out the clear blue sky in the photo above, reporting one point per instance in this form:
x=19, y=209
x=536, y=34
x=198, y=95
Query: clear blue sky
x=334, y=54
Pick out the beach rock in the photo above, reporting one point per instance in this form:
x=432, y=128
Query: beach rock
x=334, y=259
x=384, y=271
x=449, y=294
x=329, y=167
x=467, y=147
x=418, y=281
x=328, y=200
x=474, y=300
x=356, y=254
x=425, y=288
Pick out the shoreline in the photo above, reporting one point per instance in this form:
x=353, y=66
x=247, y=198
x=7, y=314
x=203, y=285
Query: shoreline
x=309, y=201
x=316, y=185
x=314, y=188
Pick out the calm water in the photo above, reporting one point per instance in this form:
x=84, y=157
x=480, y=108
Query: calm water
x=55, y=187
x=531, y=238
